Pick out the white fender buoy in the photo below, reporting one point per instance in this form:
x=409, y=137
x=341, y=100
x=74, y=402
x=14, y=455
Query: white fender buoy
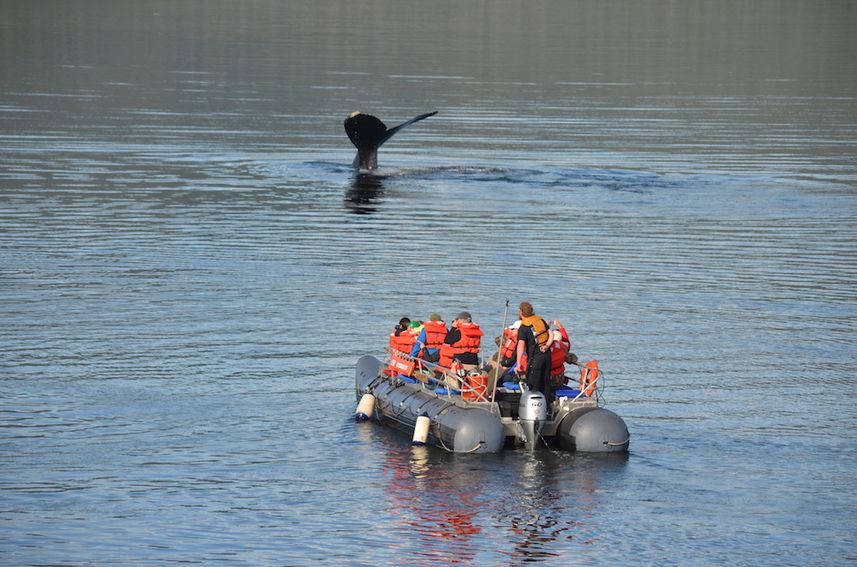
x=421, y=430
x=365, y=408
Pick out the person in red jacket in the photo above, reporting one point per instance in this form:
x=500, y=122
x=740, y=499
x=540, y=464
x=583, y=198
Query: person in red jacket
x=560, y=355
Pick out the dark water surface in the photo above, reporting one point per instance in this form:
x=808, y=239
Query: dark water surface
x=189, y=270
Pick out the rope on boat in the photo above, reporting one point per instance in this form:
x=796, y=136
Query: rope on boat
x=439, y=436
x=371, y=385
x=473, y=450
x=394, y=412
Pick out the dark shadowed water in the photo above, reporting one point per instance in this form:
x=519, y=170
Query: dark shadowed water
x=189, y=270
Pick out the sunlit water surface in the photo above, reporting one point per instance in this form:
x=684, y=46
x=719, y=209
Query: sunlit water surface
x=189, y=270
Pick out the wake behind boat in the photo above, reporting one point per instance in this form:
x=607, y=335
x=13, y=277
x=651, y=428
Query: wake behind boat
x=458, y=412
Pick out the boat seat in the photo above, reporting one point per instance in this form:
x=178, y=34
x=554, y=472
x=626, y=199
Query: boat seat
x=407, y=379
x=566, y=392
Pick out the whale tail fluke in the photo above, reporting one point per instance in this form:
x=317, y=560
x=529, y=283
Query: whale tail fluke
x=368, y=133
x=391, y=131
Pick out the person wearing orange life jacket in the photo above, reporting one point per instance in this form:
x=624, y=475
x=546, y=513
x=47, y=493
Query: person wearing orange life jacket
x=402, y=339
x=430, y=339
x=509, y=349
x=508, y=344
x=462, y=343
x=506, y=356
x=560, y=355
x=534, y=339
x=505, y=359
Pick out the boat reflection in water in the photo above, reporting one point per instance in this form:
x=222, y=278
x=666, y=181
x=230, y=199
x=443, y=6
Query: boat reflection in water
x=458, y=509
x=554, y=503
x=438, y=503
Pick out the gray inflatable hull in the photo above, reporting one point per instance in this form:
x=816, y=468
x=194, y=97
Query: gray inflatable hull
x=593, y=430
x=454, y=427
x=473, y=428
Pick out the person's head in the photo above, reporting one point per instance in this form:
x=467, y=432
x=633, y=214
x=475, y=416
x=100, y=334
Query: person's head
x=526, y=309
x=464, y=316
x=404, y=322
x=416, y=324
x=435, y=317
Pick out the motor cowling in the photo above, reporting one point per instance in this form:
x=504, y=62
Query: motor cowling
x=533, y=406
x=532, y=413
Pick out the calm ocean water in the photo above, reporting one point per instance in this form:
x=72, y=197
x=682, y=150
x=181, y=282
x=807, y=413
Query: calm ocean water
x=189, y=270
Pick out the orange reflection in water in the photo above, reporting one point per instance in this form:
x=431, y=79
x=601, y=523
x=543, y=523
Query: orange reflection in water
x=454, y=508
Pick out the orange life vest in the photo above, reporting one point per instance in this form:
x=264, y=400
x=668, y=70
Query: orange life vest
x=471, y=338
x=557, y=361
x=540, y=328
x=509, y=350
x=435, y=333
x=510, y=343
x=559, y=349
x=403, y=342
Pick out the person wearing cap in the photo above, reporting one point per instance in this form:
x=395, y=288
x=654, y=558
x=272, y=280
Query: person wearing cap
x=415, y=328
x=430, y=339
x=462, y=343
x=534, y=340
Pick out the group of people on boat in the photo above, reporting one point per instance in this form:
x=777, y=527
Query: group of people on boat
x=529, y=349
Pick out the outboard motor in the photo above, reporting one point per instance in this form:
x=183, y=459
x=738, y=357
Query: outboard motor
x=532, y=413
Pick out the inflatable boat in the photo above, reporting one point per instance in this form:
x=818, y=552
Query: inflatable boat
x=460, y=413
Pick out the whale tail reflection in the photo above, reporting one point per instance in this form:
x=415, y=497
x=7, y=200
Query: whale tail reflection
x=365, y=193
x=368, y=133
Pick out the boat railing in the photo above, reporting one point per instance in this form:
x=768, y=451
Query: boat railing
x=426, y=374
x=595, y=376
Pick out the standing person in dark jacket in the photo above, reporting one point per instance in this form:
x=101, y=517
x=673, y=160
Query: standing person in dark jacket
x=534, y=339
